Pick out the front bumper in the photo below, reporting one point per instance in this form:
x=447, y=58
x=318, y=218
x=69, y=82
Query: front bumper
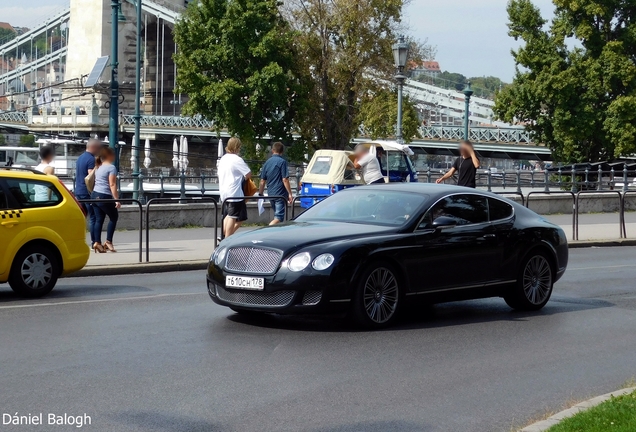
x=284, y=292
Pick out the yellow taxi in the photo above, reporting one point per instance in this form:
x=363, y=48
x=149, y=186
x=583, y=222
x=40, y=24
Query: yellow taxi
x=42, y=231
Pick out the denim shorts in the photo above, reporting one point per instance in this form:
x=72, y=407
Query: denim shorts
x=278, y=206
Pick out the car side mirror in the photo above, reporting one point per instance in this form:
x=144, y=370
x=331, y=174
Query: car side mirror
x=444, y=222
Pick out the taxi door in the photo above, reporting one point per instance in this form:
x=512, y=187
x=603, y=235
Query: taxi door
x=12, y=229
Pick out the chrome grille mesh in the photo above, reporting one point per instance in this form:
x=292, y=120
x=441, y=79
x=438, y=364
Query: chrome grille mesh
x=253, y=260
x=312, y=298
x=278, y=298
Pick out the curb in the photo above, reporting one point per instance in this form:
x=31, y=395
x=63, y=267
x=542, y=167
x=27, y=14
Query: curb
x=546, y=424
x=141, y=268
x=601, y=243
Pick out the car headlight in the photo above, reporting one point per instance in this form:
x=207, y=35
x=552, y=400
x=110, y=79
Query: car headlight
x=299, y=262
x=323, y=262
x=219, y=256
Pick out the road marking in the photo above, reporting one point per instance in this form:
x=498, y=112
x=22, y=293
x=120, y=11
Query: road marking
x=602, y=267
x=97, y=300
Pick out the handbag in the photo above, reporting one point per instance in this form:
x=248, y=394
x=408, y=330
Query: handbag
x=249, y=188
x=89, y=181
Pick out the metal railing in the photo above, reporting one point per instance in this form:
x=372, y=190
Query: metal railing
x=300, y=197
x=179, y=201
x=124, y=200
x=180, y=122
x=477, y=134
x=621, y=212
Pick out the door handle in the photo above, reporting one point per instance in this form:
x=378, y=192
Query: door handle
x=487, y=237
x=9, y=223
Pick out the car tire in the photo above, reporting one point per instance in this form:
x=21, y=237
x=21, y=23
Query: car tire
x=378, y=296
x=34, y=271
x=534, y=283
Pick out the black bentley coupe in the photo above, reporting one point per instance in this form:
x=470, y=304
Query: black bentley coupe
x=371, y=249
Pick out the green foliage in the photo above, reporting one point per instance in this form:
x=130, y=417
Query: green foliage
x=27, y=141
x=345, y=46
x=580, y=101
x=485, y=87
x=3, y=140
x=378, y=115
x=617, y=414
x=6, y=35
x=237, y=63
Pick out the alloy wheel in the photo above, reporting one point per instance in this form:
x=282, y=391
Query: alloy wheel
x=36, y=270
x=537, y=279
x=380, y=295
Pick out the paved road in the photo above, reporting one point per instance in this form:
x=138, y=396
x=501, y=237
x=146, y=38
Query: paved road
x=153, y=353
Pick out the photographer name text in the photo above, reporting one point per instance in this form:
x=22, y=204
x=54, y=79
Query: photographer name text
x=49, y=419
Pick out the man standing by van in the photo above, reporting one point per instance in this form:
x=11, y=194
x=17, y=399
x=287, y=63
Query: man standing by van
x=465, y=165
x=275, y=174
x=86, y=163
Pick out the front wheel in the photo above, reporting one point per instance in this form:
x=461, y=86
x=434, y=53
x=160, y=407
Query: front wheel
x=534, y=284
x=377, y=297
x=34, y=272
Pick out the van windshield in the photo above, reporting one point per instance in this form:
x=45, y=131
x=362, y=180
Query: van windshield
x=362, y=205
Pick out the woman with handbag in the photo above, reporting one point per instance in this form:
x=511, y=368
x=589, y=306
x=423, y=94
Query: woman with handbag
x=105, y=189
x=232, y=172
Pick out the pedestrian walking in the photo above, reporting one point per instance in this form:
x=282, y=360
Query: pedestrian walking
x=47, y=154
x=105, y=189
x=85, y=164
x=465, y=166
x=369, y=164
x=232, y=172
x=275, y=175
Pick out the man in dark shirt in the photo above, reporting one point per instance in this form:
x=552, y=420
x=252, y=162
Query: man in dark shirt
x=275, y=175
x=84, y=164
x=465, y=165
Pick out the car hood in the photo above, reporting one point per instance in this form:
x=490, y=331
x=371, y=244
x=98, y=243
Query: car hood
x=294, y=234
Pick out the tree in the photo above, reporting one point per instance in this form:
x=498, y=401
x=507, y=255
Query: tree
x=7, y=34
x=237, y=63
x=378, y=116
x=346, y=48
x=27, y=141
x=579, y=99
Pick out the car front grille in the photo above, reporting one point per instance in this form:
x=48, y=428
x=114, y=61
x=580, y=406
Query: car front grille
x=253, y=260
x=312, y=298
x=257, y=298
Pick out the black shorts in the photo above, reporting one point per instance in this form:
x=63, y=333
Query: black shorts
x=236, y=210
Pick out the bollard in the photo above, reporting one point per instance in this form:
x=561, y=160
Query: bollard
x=202, y=184
x=489, y=179
x=518, y=180
x=599, y=185
x=546, y=180
x=161, y=184
x=182, y=179
x=573, y=179
x=625, y=177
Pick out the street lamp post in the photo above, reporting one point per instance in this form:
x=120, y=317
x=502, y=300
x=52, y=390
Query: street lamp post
x=113, y=128
x=137, y=116
x=468, y=92
x=400, y=55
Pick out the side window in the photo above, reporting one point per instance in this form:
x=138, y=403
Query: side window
x=322, y=165
x=4, y=204
x=465, y=209
x=33, y=193
x=499, y=209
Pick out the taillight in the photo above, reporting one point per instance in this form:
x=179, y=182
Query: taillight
x=333, y=189
x=74, y=198
x=300, y=187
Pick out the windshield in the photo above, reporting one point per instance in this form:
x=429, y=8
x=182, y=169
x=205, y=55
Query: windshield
x=362, y=205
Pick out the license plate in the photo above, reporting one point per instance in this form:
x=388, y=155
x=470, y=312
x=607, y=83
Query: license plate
x=249, y=283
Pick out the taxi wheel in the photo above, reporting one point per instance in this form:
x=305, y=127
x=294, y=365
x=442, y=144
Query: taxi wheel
x=34, y=271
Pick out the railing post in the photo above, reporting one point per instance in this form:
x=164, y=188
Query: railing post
x=202, y=184
x=599, y=185
x=182, y=179
x=587, y=183
x=546, y=180
x=119, y=183
x=74, y=179
x=573, y=179
x=428, y=175
x=503, y=180
x=489, y=180
x=140, y=195
x=532, y=179
x=612, y=174
x=624, y=177
x=161, y=184
x=518, y=180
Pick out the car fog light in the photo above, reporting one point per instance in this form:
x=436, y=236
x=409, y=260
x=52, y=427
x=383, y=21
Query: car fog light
x=299, y=261
x=323, y=262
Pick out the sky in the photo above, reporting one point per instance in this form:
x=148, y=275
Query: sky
x=471, y=35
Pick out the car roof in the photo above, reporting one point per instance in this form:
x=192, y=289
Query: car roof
x=25, y=173
x=432, y=189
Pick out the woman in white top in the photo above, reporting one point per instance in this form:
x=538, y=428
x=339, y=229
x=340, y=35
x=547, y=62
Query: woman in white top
x=43, y=193
x=368, y=163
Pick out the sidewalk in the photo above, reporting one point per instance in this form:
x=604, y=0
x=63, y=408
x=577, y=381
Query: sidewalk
x=192, y=247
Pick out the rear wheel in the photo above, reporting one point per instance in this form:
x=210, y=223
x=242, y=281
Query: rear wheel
x=534, y=283
x=378, y=297
x=34, y=271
